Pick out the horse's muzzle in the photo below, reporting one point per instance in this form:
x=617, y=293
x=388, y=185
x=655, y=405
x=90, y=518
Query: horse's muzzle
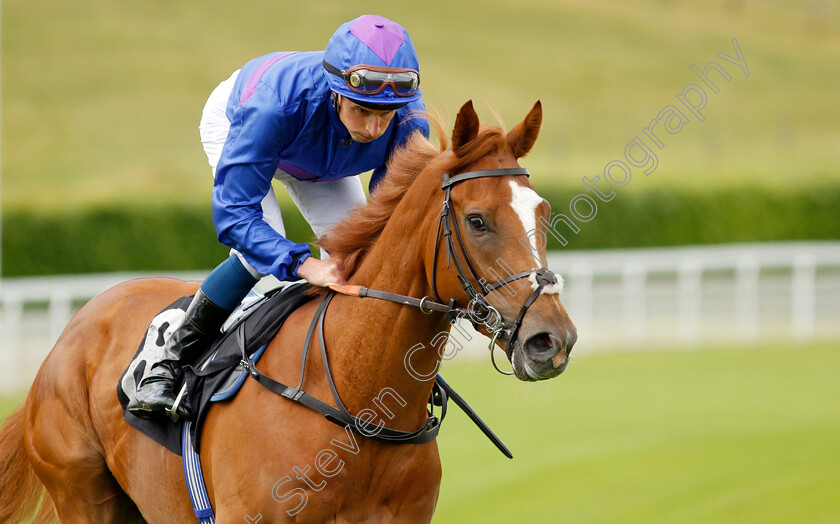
x=543, y=355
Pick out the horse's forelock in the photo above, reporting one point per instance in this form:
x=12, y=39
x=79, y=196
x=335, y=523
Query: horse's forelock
x=488, y=141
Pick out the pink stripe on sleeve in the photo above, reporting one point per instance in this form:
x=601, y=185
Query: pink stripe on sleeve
x=251, y=85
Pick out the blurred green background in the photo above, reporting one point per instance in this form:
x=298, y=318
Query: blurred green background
x=101, y=101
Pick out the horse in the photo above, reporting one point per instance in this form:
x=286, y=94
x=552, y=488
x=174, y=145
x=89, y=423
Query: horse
x=265, y=457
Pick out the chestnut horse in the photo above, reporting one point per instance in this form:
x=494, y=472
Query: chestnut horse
x=264, y=457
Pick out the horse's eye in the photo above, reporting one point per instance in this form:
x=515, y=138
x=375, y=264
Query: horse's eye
x=477, y=223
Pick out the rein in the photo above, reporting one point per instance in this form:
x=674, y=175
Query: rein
x=441, y=391
x=340, y=415
x=478, y=310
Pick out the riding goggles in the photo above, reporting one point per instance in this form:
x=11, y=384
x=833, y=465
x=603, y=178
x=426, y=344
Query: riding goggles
x=371, y=80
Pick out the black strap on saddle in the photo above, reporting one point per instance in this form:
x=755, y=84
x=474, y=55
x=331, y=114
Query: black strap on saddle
x=340, y=415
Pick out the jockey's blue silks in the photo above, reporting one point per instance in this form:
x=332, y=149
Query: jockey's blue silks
x=281, y=117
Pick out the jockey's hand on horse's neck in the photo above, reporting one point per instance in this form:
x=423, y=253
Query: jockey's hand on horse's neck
x=321, y=272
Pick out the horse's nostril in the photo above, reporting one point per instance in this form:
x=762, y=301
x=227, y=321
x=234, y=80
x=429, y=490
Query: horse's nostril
x=542, y=346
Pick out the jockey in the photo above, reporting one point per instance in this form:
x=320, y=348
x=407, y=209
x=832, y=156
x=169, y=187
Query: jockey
x=313, y=121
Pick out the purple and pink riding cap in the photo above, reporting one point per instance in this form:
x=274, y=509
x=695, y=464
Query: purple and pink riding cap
x=371, y=60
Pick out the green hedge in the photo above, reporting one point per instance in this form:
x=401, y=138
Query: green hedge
x=182, y=238
x=680, y=217
x=117, y=239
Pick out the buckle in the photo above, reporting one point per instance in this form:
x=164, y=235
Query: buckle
x=422, y=300
x=247, y=366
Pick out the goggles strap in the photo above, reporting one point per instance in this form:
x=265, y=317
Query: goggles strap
x=334, y=70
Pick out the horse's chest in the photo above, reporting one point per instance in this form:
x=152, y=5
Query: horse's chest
x=376, y=484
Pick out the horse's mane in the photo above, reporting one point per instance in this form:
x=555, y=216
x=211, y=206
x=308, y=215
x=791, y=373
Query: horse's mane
x=350, y=240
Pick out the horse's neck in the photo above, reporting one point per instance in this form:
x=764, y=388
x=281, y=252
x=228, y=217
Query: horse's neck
x=375, y=343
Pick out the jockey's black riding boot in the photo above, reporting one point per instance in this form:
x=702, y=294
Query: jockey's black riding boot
x=156, y=391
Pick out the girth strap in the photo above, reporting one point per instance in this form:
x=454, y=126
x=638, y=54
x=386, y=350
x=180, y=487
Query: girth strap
x=339, y=415
x=426, y=433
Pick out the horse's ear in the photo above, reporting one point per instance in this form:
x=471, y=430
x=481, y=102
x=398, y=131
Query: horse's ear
x=466, y=127
x=522, y=137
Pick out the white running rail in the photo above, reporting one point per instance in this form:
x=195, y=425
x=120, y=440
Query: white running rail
x=629, y=298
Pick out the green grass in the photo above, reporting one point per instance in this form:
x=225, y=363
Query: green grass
x=101, y=102
x=749, y=435
x=704, y=436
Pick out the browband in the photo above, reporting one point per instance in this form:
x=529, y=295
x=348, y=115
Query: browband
x=512, y=171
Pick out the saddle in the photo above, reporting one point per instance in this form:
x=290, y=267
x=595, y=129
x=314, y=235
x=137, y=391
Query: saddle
x=217, y=374
x=220, y=373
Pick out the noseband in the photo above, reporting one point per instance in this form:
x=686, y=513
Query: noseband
x=479, y=309
x=477, y=305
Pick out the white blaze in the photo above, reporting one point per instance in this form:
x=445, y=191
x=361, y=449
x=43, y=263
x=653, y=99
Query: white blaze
x=524, y=203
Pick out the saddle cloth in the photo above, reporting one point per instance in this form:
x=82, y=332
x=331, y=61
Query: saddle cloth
x=216, y=375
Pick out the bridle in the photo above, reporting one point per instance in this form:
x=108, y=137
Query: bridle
x=478, y=304
x=478, y=299
x=478, y=310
